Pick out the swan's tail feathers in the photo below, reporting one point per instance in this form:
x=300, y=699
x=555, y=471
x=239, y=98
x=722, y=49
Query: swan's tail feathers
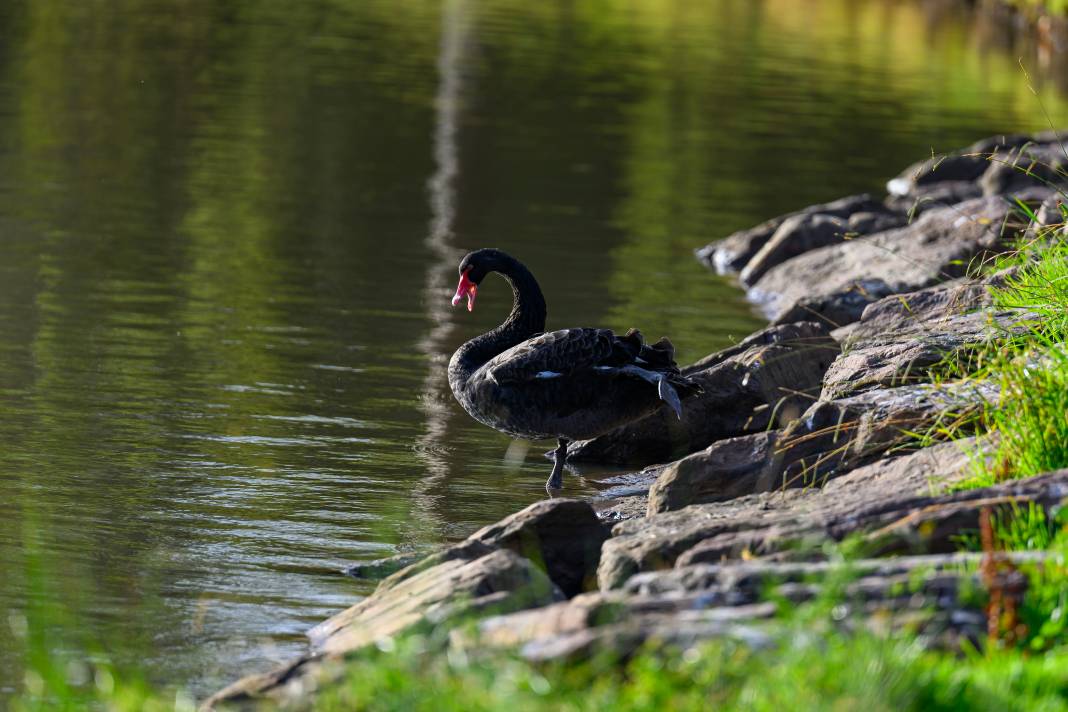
x=627, y=348
x=669, y=395
x=656, y=363
x=660, y=355
x=667, y=385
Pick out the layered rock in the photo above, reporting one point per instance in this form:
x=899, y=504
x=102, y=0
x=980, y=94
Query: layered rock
x=803, y=233
x=933, y=594
x=734, y=252
x=835, y=284
x=900, y=338
x=762, y=523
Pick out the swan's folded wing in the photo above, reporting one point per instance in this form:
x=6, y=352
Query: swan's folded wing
x=552, y=355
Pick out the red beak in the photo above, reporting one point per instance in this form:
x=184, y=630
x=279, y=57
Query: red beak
x=466, y=288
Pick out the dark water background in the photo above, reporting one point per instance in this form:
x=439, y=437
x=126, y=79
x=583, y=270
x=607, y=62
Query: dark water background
x=229, y=230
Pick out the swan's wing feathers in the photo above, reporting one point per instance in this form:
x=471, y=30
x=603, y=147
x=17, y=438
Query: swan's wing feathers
x=555, y=354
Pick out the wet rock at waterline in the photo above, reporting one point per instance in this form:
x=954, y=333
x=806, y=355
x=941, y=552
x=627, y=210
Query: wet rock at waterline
x=544, y=553
x=480, y=580
x=562, y=536
x=734, y=252
x=381, y=568
x=803, y=233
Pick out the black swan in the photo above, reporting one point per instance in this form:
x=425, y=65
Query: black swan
x=571, y=384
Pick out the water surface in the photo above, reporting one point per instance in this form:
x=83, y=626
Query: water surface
x=228, y=235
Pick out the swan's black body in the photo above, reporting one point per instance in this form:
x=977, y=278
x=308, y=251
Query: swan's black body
x=570, y=384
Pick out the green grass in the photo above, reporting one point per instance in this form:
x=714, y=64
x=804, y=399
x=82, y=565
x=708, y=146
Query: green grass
x=1031, y=368
x=808, y=669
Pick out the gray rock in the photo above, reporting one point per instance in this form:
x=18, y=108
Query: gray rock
x=922, y=198
x=732, y=253
x=725, y=470
x=899, y=338
x=740, y=582
x=799, y=334
x=960, y=167
x=684, y=606
x=805, y=232
x=838, y=308
x=1051, y=212
x=905, y=311
x=381, y=568
x=867, y=223
x=407, y=602
x=938, y=246
x=833, y=437
x=764, y=522
x=1030, y=165
x=614, y=623
x=894, y=521
x=773, y=379
x=562, y=537
x=830, y=439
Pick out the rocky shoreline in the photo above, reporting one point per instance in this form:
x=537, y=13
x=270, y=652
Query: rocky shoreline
x=806, y=433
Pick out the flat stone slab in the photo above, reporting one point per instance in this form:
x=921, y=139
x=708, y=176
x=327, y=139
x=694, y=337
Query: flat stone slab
x=899, y=338
x=759, y=523
x=687, y=605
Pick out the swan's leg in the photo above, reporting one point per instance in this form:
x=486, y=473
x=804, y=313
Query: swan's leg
x=556, y=479
x=665, y=390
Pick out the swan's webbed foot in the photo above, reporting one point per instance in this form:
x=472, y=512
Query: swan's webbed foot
x=556, y=479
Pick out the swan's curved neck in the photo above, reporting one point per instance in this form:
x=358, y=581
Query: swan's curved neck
x=526, y=319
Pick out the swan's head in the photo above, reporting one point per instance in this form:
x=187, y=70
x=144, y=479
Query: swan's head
x=473, y=269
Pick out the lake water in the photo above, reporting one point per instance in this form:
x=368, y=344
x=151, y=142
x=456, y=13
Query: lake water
x=229, y=232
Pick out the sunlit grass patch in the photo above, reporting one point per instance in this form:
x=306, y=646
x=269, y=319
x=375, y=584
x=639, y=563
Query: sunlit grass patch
x=807, y=668
x=1038, y=284
x=1030, y=417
